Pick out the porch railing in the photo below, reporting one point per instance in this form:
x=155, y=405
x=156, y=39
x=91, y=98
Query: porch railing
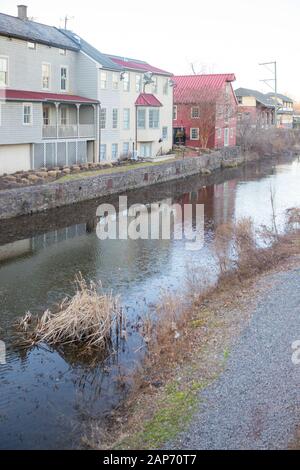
x=71, y=131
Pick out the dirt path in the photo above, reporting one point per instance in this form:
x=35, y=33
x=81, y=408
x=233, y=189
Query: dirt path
x=255, y=403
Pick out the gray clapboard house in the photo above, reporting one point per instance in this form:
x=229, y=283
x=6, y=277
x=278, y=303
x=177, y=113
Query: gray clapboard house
x=49, y=111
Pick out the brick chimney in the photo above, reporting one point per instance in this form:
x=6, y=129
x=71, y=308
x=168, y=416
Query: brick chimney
x=22, y=12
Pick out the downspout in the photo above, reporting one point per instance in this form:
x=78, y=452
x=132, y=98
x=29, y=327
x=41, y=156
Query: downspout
x=136, y=128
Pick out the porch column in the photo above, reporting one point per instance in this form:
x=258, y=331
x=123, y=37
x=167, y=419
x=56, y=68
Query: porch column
x=97, y=140
x=57, y=118
x=78, y=115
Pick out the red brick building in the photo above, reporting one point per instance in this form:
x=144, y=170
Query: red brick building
x=205, y=111
x=255, y=109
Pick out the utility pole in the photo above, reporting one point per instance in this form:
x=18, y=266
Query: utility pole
x=273, y=80
x=67, y=18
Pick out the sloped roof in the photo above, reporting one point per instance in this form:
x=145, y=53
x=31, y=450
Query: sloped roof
x=91, y=51
x=27, y=30
x=186, y=85
x=282, y=97
x=137, y=65
x=265, y=100
x=147, y=99
x=23, y=95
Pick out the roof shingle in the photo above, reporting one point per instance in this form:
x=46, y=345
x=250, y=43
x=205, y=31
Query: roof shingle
x=27, y=30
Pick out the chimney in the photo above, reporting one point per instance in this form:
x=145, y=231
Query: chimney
x=22, y=12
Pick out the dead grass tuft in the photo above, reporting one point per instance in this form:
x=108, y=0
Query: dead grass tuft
x=85, y=319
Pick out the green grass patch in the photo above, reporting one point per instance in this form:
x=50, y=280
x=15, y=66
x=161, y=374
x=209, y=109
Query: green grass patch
x=109, y=171
x=175, y=411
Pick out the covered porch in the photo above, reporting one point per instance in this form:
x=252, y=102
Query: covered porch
x=65, y=121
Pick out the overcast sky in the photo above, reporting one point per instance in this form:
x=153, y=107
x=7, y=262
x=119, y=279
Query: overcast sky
x=217, y=36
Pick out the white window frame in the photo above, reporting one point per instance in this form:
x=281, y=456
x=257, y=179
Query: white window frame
x=126, y=123
x=66, y=79
x=49, y=85
x=126, y=81
x=127, y=151
x=49, y=115
x=154, y=124
x=103, y=83
x=155, y=85
x=4, y=85
x=103, y=154
x=116, y=146
x=63, y=52
x=192, y=112
x=166, y=87
x=191, y=133
x=175, y=112
x=31, y=45
x=115, y=81
x=165, y=132
x=144, y=146
x=144, y=120
x=66, y=117
x=30, y=106
x=138, y=83
x=104, y=111
x=115, y=118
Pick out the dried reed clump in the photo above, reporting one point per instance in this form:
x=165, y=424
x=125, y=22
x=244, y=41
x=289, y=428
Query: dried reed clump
x=84, y=319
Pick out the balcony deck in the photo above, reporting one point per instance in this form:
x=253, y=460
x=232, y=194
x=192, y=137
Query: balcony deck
x=69, y=132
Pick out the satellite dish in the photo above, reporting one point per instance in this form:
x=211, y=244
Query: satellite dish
x=148, y=77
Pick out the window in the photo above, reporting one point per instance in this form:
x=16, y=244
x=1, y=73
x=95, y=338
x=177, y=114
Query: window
x=102, y=118
x=145, y=150
x=115, y=81
x=125, y=148
x=166, y=87
x=103, y=80
x=126, y=81
x=46, y=115
x=64, y=78
x=240, y=99
x=63, y=116
x=219, y=133
x=138, y=83
x=27, y=114
x=63, y=51
x=175, y=113
x=239, y=117
x=195, y=112
x=154, y=118
x=114, y=151
x=115, y=118
x=46, y=72
x=194, y=134
x=103, y=152
x=231, y=133
x=3, y=71
x=164, y=133
x=154, y=85
x=126, y=119
x=141, y=118
x=31, y=45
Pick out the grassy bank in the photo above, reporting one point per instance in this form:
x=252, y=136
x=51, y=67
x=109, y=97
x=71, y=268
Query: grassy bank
x=190, y=340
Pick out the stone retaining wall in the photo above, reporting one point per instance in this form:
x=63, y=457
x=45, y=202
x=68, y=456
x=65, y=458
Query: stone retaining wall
x=29, y=200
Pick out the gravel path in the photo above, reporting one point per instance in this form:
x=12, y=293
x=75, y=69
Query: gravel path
x=255, y=403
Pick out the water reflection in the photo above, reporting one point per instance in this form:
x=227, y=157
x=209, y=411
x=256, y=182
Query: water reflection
x=46, y=394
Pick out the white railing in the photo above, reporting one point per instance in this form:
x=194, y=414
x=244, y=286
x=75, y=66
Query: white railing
x=65, y=132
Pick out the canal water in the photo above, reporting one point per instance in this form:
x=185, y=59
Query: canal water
x=46, y=396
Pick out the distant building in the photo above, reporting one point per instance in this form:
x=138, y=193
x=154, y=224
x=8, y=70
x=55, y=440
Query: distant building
x=255, y=109
x=204, y=113
x=285, y=111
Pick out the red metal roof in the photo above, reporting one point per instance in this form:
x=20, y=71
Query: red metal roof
x=146, y=99
x=137, y=65
x=186, y=85
x=21, y=95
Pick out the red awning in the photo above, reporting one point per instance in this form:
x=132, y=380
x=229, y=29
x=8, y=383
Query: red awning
x=21, y=95
x=146, y=99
